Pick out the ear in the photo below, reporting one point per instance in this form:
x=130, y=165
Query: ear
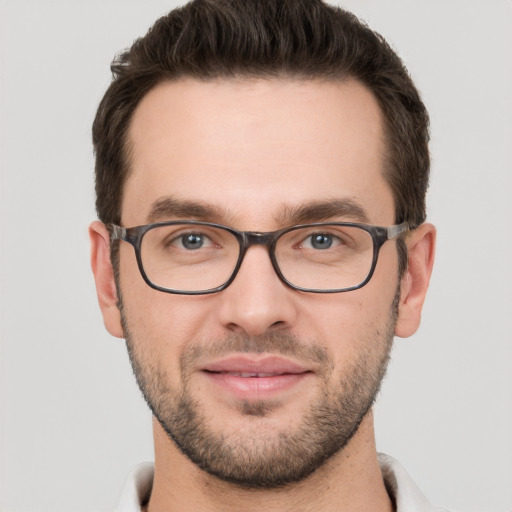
x=414, y=284
x=104, y=278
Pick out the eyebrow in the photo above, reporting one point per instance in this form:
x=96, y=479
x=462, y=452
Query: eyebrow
x=319, y=211
x=168, y=207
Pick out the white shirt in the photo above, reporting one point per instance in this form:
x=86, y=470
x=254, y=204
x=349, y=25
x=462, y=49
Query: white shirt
x=407, y=496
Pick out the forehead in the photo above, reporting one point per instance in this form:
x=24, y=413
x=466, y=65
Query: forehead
x=252, y=147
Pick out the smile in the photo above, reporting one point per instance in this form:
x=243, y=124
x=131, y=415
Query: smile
x=258, y=377
x=250, y=374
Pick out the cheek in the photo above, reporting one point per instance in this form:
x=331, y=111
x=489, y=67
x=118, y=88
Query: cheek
x=171, y=314
x=162, y=319
x=349, y=313
x=162, y=324
x=350, y=323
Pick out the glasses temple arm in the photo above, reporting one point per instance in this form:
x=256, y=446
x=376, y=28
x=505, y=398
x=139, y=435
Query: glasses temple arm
x=394, y=231
x=116, y=232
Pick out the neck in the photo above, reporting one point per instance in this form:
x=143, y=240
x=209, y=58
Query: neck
x=349, y=481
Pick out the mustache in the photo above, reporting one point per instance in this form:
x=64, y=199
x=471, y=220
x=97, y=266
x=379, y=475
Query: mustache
x=281, y=343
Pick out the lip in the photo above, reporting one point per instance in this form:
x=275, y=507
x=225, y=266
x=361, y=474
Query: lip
x=255, y=364
x=256, y=377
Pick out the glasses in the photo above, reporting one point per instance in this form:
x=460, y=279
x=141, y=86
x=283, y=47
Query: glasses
x=194, y=258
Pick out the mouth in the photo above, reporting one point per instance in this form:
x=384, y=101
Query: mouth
x=256, y=378
x=249, y=374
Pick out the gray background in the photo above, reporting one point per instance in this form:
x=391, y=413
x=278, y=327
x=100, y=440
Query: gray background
x=72, y=422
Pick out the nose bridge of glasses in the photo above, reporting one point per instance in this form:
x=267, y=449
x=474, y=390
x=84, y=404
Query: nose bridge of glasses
x=267, y=239
x=250, y=238
x=258, y=238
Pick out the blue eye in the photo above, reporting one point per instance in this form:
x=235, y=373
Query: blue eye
x=192, y=241
x=321, y=241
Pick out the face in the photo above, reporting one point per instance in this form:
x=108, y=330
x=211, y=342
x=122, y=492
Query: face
x=258, y=384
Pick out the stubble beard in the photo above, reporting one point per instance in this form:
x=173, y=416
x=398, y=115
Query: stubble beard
x=265, y=461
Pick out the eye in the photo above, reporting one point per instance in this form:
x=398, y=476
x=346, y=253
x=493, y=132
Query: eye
x=192, y=241
x=320, y=241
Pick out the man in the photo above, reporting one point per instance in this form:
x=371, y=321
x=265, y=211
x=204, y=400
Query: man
x=261, y=170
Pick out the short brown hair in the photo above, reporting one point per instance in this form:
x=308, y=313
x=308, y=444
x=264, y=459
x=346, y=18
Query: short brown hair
x=304, y=39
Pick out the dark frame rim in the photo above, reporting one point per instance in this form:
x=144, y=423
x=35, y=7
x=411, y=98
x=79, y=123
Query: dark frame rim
x=246, y=239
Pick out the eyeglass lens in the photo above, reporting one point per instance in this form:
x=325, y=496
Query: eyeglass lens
x=182, y=257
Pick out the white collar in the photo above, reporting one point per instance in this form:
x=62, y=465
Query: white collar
x=407, y=496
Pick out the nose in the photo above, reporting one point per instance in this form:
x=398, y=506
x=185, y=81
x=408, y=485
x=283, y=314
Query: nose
x=257, y=301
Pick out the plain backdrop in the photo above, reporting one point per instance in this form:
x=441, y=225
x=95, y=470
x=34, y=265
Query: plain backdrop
x=72, y=420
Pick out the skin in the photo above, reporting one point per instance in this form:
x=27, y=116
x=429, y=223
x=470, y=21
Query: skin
x=255, y=149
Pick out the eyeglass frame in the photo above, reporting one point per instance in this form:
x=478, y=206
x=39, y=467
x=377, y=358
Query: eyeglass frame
x=134, y=235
